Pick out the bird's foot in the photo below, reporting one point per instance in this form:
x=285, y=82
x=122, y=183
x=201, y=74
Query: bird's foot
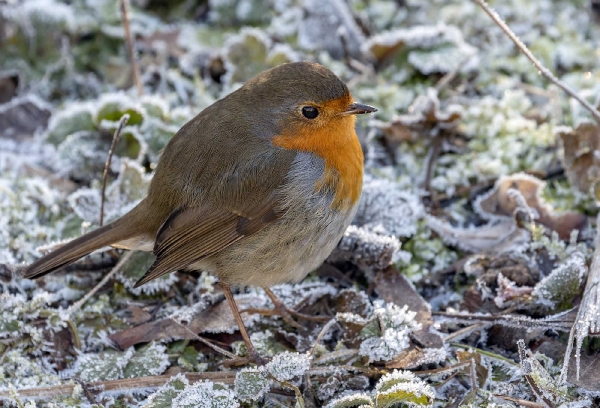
x=286, y=313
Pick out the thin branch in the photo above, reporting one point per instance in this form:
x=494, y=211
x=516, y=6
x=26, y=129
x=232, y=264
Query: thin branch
x=115, y=139
x=206, y=342
x=522, y=402
x=543, y=70
x=125, y=384
x=77, y=305
x=130, y=49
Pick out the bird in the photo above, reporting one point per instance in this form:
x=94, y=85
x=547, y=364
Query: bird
x=257, y=189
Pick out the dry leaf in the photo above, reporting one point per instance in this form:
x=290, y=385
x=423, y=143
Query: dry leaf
x=499, y=204
x=580, y=157
x=393, y=287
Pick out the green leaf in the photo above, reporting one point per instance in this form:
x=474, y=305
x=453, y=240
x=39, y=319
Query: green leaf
x=107, y=365
x=163, y=397
x=251, y=384
x=149, y=360
x=398, y=395
x=68, y=122
x=189, y=358
x=350, y=401
x=114, y=110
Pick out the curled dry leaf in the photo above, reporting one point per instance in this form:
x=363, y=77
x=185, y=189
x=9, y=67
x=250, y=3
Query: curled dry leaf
x=499, y=204
x=581, y=156
x=499, y=238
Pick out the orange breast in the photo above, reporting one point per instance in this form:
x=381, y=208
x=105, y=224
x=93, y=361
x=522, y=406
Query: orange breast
x=337, y=144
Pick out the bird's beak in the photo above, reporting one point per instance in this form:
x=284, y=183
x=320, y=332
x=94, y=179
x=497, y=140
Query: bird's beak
x=359, y=109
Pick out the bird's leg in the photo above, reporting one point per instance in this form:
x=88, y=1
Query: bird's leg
x=252, y=353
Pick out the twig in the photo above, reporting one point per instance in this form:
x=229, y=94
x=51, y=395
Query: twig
x=524, y=403
x=511, y=321
x=324, y=330
x=129, y=41
x=125, y=384
x=463, y=331
x=543, y=70
x=115, y=139
x=206, y=342
x=77, y=305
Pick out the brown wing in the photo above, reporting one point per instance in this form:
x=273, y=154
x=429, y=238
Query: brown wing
x=192, y=234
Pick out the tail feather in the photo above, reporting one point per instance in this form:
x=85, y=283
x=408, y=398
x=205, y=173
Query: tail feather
x=79, y=247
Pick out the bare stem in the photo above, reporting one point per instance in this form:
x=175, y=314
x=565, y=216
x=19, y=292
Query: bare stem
x=543, y=70
x=115, y=139
x=125, y=384
x=77, y=305
x=130, y=50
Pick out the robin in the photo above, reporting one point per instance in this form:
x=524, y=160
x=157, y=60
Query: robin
x=257, y=189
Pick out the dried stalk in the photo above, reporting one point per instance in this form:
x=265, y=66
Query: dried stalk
x=543, y=70
x=125, y=384
x=77, y=305
x=130, y=49
x=115, y=139
x=587, y=321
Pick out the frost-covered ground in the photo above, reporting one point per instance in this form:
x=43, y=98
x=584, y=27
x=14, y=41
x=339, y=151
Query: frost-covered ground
x=480, y=199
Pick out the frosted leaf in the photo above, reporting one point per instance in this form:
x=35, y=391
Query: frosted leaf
x=74, y=118
x=497, y=238
x=351, y=401
x=390, y=336
x=251, y=383
x=135, y=268
x=287, y=366
x=306, y=292
x=122, y=194
x=163, y=397
x=369, y=250
x=388, y=208
x=562, y=285
x=108, y=365
x=403, y=387
x=545, y=386
x=206, y=395
x=330, y=26
x=439, y=48
x=249, y=53
x=149, y=360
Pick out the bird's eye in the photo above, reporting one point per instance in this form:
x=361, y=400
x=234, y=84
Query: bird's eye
x=309, y=112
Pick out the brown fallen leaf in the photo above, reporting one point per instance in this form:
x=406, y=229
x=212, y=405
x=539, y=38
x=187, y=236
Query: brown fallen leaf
x=393, y=287
x=215, y=319
x=499, y=204
x=499, y=238
x=480, y=369
x=580, y=155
